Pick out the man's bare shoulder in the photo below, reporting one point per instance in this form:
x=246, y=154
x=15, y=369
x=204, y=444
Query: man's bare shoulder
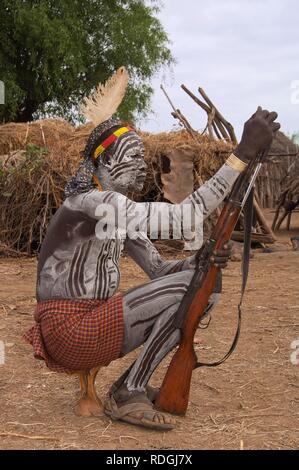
x=93, y=198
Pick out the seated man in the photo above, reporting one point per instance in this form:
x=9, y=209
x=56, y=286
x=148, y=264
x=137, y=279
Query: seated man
x=81, y=322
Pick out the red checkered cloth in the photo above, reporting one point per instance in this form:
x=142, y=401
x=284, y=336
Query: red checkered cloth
x=73, y=335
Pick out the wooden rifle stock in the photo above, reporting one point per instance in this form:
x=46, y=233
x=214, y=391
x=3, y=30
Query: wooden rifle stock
x=174, y=392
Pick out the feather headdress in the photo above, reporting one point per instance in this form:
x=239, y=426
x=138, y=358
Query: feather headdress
x=105, y=100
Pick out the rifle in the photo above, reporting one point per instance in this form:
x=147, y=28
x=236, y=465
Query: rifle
x=174, y=392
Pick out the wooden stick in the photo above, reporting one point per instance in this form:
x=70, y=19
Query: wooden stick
x=178, y=115
x=226, y=124
x=261, y=218
x=289, y=220
x=197, y=100
x=14, y=434
x=283, y=155
x=211, y=117
x=255, y=237
x=217, y=123
x=222, y=129
x=220, y=125
x=216, y=131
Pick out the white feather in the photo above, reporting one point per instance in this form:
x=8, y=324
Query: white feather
x=105, y=100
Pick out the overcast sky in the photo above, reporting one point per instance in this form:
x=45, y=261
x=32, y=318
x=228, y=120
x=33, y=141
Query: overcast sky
x=244, y=53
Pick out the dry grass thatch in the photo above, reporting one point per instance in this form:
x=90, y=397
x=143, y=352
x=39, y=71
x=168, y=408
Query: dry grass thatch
x=208, y=156
x=282, y=164
x=39, y=158
x=282, y=147
x=30, y=193
x=33, y=173
x=45, y=133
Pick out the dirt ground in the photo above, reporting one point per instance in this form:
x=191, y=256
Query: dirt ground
x=250, y=402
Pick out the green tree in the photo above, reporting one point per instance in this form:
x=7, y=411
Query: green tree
x=54, y=52
x=295, y=138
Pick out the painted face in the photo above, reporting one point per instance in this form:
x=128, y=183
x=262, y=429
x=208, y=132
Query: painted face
x=122, y=167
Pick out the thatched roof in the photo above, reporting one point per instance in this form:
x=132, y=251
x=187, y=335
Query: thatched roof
x=282, y=146
x=44, y=133
x=283, y=162
x=39, y=158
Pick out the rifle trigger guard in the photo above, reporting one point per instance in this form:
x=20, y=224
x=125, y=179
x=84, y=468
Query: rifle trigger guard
x=204, y=326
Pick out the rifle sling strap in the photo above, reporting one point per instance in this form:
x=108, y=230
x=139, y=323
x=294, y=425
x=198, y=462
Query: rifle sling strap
x=248, y=219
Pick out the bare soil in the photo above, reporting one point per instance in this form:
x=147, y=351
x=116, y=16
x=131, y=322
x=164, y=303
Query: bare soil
x=250, y=402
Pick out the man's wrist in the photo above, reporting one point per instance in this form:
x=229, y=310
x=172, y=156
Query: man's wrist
x=242, y=153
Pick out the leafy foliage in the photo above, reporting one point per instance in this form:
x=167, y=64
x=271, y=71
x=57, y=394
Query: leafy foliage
x=54, y=52
x=295, y=138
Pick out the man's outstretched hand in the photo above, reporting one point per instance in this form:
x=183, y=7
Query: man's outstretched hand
x=258, y=134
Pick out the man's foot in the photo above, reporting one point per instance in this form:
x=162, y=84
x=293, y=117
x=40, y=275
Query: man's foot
x=136, y=408
x=152, y=393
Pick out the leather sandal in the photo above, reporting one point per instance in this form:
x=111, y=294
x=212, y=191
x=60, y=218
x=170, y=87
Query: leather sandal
x=139, y=413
